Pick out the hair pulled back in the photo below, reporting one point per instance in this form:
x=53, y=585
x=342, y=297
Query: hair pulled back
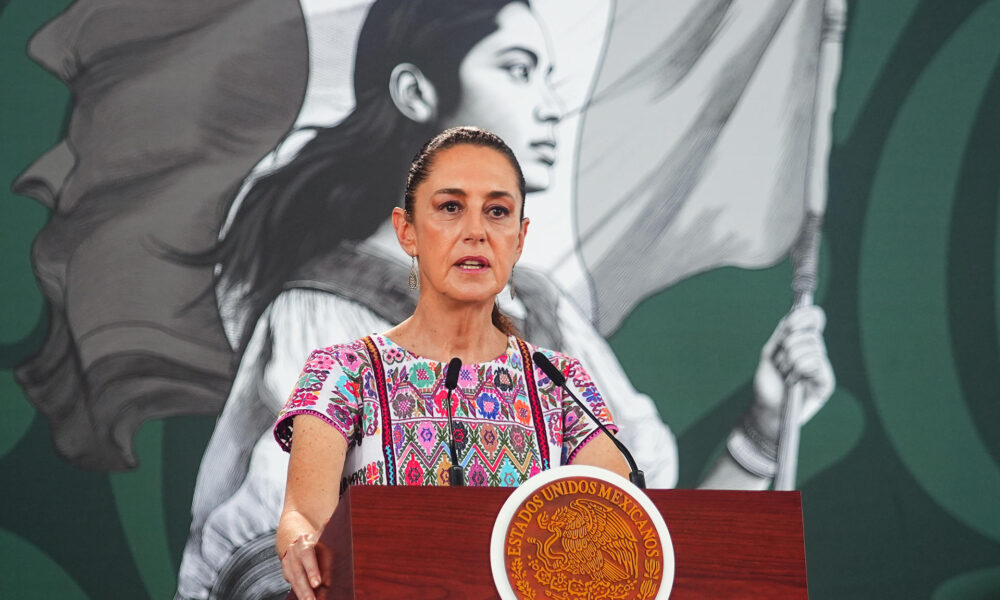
x=423, y=161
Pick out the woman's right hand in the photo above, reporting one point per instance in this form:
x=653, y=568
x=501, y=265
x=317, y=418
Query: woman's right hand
x=300, y=566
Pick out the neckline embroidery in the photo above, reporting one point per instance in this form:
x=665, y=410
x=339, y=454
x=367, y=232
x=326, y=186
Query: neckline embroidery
x=503, y=359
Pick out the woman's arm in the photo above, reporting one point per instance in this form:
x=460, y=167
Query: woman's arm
x=602, y=452
x=311, y=494
x=795, y=353
x=727, y=474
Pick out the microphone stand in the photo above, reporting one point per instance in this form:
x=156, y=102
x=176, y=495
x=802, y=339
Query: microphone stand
x=456, y=474
x=636, y=476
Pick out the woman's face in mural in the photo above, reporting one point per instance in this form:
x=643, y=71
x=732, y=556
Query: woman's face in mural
x=505, y=89
x=466, y=228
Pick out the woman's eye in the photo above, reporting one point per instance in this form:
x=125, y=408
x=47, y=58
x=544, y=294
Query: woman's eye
x=498, y=211
x=450, y=207
x=518, y=71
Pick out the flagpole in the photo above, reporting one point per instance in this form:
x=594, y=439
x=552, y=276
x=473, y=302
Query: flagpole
x=805, y=257
x=805, y=254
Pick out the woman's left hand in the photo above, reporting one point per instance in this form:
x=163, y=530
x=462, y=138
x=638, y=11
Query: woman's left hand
x=794, y=354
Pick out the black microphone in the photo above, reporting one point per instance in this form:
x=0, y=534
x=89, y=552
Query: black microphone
x=456, y=474
x=637, y=477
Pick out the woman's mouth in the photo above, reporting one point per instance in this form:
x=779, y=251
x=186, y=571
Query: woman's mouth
x=545, y=150
x=473, y=263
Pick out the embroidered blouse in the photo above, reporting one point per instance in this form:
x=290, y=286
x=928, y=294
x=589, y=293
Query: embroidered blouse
x=391, y=406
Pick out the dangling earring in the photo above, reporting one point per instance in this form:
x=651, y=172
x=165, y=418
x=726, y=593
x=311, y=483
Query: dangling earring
x=510, y=283
x=414, y=282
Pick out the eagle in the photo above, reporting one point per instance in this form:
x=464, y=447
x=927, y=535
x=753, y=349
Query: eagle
x=594, y=540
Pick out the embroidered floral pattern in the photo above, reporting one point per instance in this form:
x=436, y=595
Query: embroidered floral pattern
x=422, y=377
x=337, y=412
x=372, y=472
x=522, y=412
x=404, y=403
x=302, y=398
x=414, y=473
x=394, y=355
x=370, y=418
x=427, y=436
x=461, y=437
x=488, y=439
x=489, y=405
x=476, y=475
x=517, y=439
x=495, y=433
x=319, y=362
x=503, y=380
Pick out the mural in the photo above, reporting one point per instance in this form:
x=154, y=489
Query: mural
x=212, y=201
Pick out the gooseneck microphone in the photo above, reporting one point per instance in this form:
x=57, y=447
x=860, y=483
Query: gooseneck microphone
x=456, y=475
x=637, y=477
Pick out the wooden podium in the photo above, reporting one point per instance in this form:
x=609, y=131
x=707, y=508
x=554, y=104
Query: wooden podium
x=434, y=542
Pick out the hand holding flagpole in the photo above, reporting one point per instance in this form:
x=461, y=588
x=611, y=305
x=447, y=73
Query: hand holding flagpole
x=805, y=254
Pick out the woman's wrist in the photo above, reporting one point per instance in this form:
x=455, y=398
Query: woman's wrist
x=753, y=450
x=291, y=528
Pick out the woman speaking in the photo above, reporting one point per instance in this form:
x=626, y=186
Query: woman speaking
x=376, y=411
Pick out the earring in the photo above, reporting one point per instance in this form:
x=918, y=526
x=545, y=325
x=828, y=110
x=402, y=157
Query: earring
x=510, y=284
x=413, y=282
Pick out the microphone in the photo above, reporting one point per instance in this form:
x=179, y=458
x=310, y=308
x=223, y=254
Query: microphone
x=637, y=477
x=456, y=474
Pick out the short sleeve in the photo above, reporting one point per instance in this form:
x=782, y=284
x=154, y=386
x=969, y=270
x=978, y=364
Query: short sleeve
x=329, y=388
x=578, y=428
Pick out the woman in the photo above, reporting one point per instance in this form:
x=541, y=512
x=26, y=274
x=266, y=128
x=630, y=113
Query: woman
x=463, y=224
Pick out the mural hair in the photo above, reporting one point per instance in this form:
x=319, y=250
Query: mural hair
x=343, y=183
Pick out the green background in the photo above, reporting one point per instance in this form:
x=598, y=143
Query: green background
x=900, y=473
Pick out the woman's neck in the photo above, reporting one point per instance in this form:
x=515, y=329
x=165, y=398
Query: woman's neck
x=440, y=329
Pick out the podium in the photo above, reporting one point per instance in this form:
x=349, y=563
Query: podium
x=434, y=542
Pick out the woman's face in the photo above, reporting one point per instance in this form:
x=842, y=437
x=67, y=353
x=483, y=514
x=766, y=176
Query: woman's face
x=505, y=89
x=465, y=230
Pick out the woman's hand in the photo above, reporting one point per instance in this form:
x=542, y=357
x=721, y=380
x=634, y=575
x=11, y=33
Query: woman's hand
x=300, y=566
x=794, y=354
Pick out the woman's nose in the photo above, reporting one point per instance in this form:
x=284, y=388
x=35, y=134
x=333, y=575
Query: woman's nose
x=475, y=226
x=549, y=108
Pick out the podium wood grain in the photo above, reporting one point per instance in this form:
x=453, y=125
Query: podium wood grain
x=433, y=543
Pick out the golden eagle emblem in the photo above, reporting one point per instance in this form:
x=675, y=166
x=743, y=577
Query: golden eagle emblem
x=588, y=538
x=581, y=538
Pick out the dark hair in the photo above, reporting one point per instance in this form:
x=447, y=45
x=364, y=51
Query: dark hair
x=344, y=182
x=423, y=163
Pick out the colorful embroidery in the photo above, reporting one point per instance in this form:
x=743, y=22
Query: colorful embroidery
x=534, y=402
x=506, y=425
x=381, y=390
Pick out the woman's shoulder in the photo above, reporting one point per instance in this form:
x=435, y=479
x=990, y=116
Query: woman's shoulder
x=352, y=355
x=358, y=345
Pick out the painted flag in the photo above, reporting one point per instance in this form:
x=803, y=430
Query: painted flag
x=173, y=105
x=697, y=147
